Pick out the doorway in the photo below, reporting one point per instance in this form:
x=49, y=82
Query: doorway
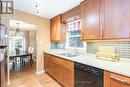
x=22, y=51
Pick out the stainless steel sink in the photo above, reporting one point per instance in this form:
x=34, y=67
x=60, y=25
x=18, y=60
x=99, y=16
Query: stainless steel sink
x=68, y=54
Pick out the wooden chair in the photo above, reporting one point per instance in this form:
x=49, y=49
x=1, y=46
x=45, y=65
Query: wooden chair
x=27, y=59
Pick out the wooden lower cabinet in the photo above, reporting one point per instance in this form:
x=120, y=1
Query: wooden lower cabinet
x=63, y=71
x=68, y=80
x=60, y=69
x=115, y=80
x=58, y=73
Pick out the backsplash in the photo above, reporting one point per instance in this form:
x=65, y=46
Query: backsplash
x=122, y=48
x=57, y=45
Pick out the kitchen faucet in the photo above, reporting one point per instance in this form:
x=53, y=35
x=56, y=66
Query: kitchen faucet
x=75, y=48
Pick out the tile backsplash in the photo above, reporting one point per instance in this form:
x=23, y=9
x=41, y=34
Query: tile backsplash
x=56, y=45
x=122, y=48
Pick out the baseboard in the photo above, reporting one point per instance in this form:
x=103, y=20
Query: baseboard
x=40, y=72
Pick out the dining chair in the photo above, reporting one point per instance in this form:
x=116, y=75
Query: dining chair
x=27, y=59
x=29, y=49
x=32, y=50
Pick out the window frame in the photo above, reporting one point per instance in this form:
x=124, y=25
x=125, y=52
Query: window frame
x=68, y=36
x=12, y=40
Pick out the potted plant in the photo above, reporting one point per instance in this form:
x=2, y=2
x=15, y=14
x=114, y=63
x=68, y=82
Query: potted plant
x=17, y=47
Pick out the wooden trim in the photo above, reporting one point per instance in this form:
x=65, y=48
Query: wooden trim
x=60, y=15
x=106, y=40
x=73, y=12
x=82, y=1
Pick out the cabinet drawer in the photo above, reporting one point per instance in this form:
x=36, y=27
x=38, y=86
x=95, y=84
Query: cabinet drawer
x=120, y=78
x=65, y=63
x=115, y=80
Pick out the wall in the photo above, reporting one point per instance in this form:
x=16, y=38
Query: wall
x=42, y=34
x=32, y=41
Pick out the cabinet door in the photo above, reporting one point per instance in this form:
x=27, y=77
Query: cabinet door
x=116, y=19
x=68, y=77
x=115, y=80
x=58, y=73
x=58, y=28
x=55, y=29
x=49, y=66
x=45, y=62
x=90, y=19
x=60, y=69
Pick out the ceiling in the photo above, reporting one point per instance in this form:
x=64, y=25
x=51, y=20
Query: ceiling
x=48, y=8
x=22, y=25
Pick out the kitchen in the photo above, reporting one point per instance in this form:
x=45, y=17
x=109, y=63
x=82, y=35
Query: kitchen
x=84, y=46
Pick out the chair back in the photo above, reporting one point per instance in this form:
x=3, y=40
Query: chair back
x=32, y=50
x=29, y=50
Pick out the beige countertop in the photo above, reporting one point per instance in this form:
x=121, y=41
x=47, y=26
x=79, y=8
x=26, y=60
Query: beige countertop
x=121, y=67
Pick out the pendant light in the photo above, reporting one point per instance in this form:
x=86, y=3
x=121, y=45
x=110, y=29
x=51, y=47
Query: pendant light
x=37, y=7
x=17, y=32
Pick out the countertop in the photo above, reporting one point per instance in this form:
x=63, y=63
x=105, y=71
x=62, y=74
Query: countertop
x=122, y=67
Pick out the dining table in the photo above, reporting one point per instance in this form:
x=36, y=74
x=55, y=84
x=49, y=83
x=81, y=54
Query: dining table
x=22, y=55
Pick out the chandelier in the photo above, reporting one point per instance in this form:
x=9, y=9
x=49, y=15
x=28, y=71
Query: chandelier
x=17, y=32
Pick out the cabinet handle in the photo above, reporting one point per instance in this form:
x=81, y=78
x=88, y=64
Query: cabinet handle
x=102, y=31
x=120, y=80
x=82, y=33
x=129, y=34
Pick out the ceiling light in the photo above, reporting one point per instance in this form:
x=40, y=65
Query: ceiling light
x=37, y=11
x=18, y=32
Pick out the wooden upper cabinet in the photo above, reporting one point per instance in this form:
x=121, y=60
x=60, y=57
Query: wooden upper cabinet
x=115, y=80
x=116, y=19
x=105, y=19
x=90, y=19
x=57, y=29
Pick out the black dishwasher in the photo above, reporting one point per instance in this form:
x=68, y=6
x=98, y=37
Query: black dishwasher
x=88, y=76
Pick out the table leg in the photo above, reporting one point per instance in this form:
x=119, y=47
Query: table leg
x=13, y=63
x=21, y=62
x=31, y=60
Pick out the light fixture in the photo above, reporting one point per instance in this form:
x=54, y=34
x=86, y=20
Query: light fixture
x=17, y=32
x=37, y=7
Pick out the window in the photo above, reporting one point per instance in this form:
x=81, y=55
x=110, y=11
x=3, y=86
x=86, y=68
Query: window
x=74, y=35
x=12, y=43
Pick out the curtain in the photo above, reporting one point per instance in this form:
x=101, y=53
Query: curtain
x=26, y=36
x=73, y=26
